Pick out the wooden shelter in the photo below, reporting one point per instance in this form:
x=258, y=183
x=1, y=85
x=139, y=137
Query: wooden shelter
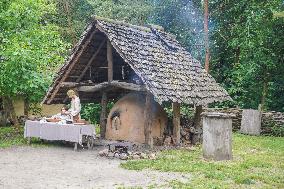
x=113, y=58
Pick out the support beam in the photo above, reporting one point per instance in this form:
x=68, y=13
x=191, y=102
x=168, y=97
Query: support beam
x=71, y=65
x=109, y=61
x=97, y=87
x=103, y=118
x=197, y=125
x=148, y=120
x=176, y=122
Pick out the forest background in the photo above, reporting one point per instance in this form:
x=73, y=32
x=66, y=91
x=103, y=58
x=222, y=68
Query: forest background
x=246, y=41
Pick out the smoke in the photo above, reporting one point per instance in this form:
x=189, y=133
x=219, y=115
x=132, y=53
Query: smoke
x=184, y=18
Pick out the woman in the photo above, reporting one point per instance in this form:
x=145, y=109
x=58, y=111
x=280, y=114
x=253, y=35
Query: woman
x=75, y=108
x=62, y=115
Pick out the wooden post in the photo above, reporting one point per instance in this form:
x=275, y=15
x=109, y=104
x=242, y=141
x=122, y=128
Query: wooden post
x=103, y=118
x=197, y=125
x=148, y=120
x=109, y=61
x=176, y=122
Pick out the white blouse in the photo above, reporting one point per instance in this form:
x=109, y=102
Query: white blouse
x=75, y=106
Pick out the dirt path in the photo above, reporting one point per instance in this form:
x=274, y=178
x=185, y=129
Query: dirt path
x=61, y=167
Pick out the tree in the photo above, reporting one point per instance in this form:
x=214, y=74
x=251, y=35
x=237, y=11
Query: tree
x=247, y=50
x=31, y=50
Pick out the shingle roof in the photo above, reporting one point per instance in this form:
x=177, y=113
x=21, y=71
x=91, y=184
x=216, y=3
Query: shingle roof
x=168, y=71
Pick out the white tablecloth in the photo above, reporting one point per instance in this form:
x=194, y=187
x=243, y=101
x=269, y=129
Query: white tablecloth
x=55, y=131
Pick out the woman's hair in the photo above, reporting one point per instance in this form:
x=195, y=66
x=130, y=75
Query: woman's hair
x=71, y=92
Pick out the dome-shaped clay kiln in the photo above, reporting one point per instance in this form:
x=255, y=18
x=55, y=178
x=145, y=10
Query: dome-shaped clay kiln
x=126, y=119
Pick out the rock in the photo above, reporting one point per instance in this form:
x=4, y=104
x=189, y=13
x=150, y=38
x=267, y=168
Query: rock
x=143, y=156
x=117, y=155
x=152, y=156
x=103, y=152
x=123, y=156
x=110, y=154
x=135, y=156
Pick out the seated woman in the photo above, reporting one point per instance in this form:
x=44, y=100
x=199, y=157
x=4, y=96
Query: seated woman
x=62, y=115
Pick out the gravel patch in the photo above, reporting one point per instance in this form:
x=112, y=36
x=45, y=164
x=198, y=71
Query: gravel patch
x=61, y=167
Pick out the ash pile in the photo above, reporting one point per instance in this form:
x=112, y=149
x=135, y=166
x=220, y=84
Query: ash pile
x=126, y=151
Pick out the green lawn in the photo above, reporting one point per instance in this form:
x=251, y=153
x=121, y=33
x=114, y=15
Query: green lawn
x=258, y=162
x=10, y=136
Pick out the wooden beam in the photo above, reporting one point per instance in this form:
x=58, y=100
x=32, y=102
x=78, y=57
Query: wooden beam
x=72, y=64
x=91, y=60
x=176, y=122
x=109, y=61
x=148, y=120
x=97, y=87
x=103, y=118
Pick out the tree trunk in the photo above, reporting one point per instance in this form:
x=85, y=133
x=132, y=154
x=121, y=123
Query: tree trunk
x=264, y=94
x=69, y=21
x=26, y=107
x=206, y=38
x=9, y=109
x=197, y=125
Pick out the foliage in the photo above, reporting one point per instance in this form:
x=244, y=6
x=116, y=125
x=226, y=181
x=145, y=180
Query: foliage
x=91, y=112
x=30, y=49
x=258, y=163
x=247, y=48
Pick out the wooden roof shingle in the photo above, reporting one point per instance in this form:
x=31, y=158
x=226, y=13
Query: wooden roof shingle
x=167, y=70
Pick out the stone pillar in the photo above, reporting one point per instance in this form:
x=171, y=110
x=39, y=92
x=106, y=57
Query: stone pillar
x=251, y=122
x=217, y=136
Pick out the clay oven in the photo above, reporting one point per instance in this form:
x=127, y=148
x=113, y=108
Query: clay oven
x=126, y=119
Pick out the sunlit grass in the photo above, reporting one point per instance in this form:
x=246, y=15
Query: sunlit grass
x=258, y=162
x=11, y=136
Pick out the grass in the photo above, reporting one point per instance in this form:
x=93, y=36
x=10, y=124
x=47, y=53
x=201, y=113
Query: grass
x=258, y=162
x=10, y=136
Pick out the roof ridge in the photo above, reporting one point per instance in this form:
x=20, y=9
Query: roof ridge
x=146, y=27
